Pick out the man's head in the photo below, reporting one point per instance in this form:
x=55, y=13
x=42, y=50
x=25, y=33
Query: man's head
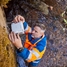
x=38, y=30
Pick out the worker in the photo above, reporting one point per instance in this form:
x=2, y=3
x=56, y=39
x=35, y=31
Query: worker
x=35, y=45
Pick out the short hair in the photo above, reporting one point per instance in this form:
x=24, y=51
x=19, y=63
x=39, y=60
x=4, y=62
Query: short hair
x=42, y=26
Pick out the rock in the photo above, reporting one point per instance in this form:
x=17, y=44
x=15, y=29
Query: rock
x=44, y=8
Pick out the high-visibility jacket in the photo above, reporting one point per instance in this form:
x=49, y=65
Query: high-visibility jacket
x=33, y=48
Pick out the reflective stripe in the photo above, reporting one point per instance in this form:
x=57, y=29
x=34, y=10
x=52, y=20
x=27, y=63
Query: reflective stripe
x=32, y=52
x=44, y=48
x=35, y=53
x=30, y=56
x=36, y=61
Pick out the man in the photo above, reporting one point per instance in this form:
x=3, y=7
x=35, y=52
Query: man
x=35, y=44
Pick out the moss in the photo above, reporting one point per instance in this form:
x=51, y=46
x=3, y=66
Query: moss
x=7, y=55
x=3, y=2
x=4, y=37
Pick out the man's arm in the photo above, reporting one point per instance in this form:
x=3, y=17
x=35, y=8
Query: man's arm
x=27, y=28
x=34, y=54
x=19, y=18
x=29, y=55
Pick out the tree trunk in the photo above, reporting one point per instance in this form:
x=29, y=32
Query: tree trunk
x=7, y=55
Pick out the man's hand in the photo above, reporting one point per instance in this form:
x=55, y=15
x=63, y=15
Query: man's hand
x=16, y=40
x=19, y=18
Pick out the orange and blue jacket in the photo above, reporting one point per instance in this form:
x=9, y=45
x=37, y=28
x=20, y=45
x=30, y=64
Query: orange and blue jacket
x=33, y=48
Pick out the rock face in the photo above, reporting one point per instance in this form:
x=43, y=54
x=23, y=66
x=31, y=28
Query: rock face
x=7, y=57
x=56, y=53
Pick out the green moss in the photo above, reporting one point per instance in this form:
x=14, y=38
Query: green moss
x=7, y=55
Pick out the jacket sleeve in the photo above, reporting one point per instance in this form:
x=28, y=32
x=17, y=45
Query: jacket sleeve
x=31, y=55
x=27, y=28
